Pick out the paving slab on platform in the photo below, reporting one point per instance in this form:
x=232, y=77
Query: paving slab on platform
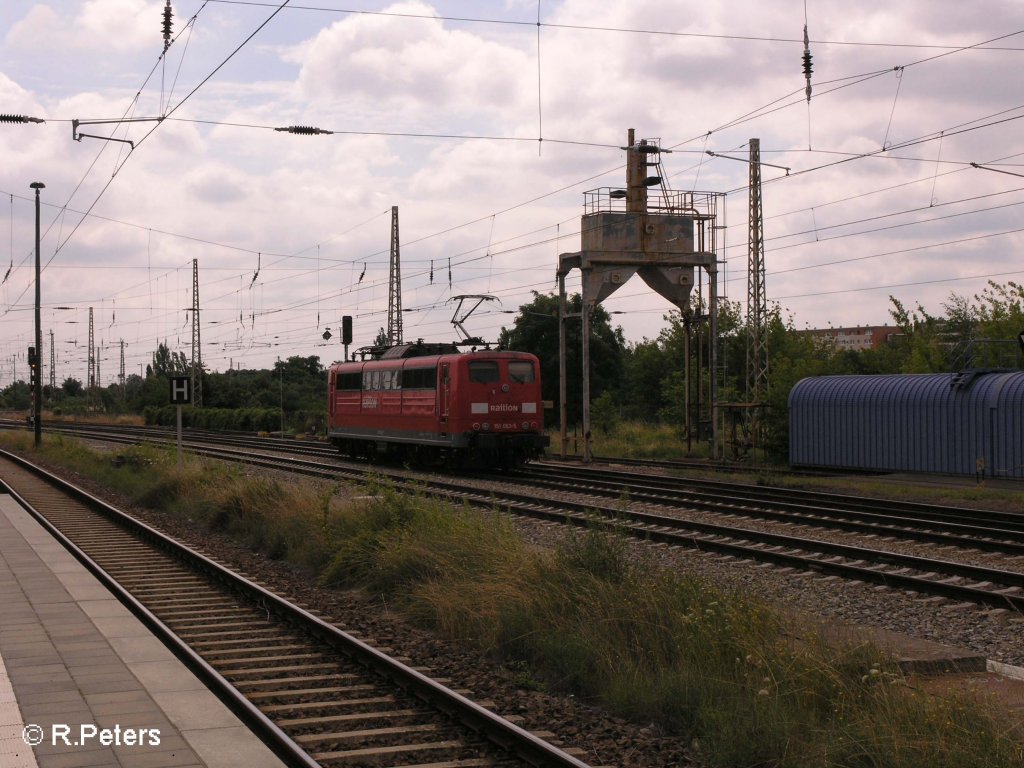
x=77, y=670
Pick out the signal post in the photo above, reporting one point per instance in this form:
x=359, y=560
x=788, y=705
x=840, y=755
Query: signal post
x=181, y=395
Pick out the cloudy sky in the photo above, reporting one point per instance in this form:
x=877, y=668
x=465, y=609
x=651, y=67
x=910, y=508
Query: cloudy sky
x=486, y=130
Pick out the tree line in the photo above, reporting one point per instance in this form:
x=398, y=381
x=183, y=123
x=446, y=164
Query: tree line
x=640, y=381
x=294, y=392
x=644, y=381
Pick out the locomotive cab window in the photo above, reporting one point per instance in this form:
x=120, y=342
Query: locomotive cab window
x=521, y=372
x=483, y=371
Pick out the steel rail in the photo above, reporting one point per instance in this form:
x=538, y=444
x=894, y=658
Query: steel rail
x=277, y=740
x=656, y=491
x=788, y=498
x=667, y=529
x=781, y=496
x=699, y=535
x=504, y=734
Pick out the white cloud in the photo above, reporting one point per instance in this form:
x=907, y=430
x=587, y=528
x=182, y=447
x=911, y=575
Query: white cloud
x=98, y=25
x=411, y=67
x=501, y=210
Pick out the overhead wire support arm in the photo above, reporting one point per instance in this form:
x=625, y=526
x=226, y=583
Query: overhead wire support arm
x=747, y=161
x=996, y=170
x=648, y=149
x=77, y=135
x=81, y=136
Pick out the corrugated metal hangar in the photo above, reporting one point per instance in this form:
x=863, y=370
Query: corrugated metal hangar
x=963, y=423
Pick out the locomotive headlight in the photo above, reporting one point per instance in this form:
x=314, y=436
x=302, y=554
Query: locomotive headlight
x=505, y=388
x=476, y=425
x=526, y=425
x=486, y=426
x=533, y=425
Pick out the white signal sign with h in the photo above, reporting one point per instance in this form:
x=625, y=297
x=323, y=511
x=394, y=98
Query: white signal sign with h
x=181, y=390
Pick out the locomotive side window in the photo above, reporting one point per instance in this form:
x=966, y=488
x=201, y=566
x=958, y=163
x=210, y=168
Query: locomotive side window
x=521, y=372
x=379, y=381
x=350, y=381
x=483, y=371
x=419, y=378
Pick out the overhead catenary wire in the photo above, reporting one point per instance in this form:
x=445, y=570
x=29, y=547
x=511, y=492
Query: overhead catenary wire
x=488, y=253
x=286, y=256
x=254, y=316
x=296, y=7
x=171, y=111
x=282, y=5
x=450, y=278
x=540, y=110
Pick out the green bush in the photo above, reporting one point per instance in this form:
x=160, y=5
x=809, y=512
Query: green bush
x=704, y=663
x=223, y=419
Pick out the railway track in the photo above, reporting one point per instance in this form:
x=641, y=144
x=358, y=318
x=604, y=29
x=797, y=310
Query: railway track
x=991, y=531
x=317, y=695
x=576, y=501
x=837, y=511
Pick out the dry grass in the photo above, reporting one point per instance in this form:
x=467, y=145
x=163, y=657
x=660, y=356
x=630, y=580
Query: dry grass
x=649, y=645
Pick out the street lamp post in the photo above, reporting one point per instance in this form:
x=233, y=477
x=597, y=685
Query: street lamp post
x=37, y=386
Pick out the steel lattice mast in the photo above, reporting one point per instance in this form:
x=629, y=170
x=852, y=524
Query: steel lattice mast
x=53, y=367
x=197, y=350
x=120, y=376
x=92, y=355
x=395, y=285
x=757, y=303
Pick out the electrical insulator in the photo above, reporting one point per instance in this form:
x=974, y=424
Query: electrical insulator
x=168, y=14
x=807, y=64
x=305, y=130
x=20, y=119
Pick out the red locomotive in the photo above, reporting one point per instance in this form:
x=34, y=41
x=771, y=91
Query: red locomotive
x=430, y=403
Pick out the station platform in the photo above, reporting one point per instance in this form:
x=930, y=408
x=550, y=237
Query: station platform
x=83, y=683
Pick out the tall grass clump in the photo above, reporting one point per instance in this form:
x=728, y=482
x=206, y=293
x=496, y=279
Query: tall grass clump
x=706, y=664
x=288, y=521
x=634, y=440
x=639, y=440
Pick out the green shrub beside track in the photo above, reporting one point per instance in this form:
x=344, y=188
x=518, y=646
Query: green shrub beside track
x=588, y=617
